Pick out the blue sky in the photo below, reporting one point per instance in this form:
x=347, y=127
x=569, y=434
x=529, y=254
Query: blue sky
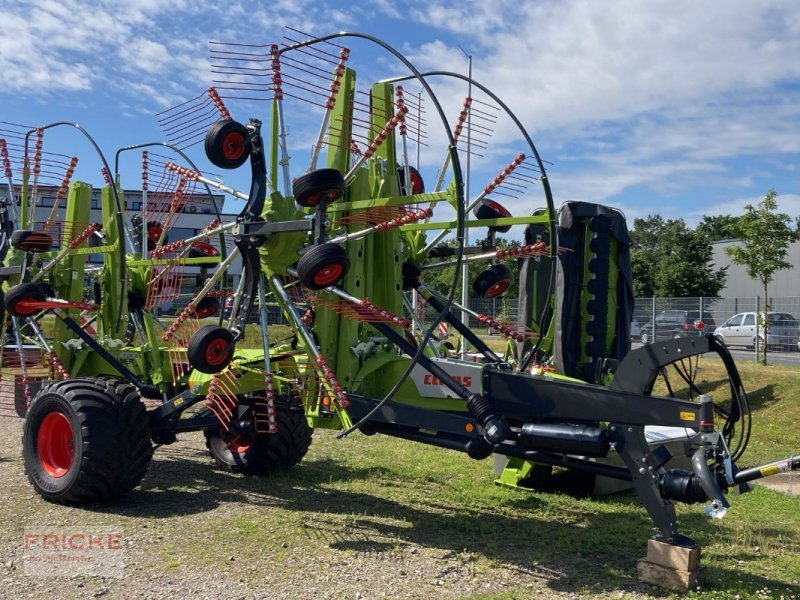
x=678, y=107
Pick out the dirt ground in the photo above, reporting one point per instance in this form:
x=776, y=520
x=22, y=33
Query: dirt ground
x=173, y=547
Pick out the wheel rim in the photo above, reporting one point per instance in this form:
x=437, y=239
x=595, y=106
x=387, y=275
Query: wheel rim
x=25, y=307
x=55, y=444
x=216, y=352
x=240, y=444
x=312, y=199
x=204, y=311
x=328, y=274
x=154, y=233
x=416, y=183
x=498, y=288
x=499, y=208
x=205, y=249
x=233, y=145
x=331, y=195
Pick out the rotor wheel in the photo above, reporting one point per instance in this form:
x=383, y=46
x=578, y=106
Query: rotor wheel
x=417, y=182
x=206, y=307
x=227, y=144
x=203, y=250
x=31, y=241
x=21, y=300
x=493, y=210
x=86, y=440
x=210, y=349
x=322, y=266
x=492, y=282
x=263, y=453
x=154, y=231
x=322, y=185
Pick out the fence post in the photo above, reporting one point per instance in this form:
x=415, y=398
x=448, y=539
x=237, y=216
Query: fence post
x=653, y=318
x=757, y=341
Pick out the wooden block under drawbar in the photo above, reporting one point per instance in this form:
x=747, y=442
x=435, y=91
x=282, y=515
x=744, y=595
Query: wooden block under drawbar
x=671, y=579
x=673, y=557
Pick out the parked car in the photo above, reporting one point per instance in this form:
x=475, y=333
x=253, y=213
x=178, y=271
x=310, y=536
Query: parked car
x=636, y=330
x=670, y=324
x=782, y=331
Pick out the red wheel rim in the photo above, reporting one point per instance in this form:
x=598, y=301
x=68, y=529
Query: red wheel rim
x=205, y=311
x=328, y=274
x=216, y=352
x=55, y=444
x=154, y=233
x=416, y=183
x=312, y=199
x=233, y=145
x=240, y=444
x=25, y=307
x=36, y=242
x=331, y=195
x=204, y=248
x=498, y=207
x=498, y=288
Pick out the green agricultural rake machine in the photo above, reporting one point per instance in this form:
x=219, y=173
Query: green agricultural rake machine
x=340, y=244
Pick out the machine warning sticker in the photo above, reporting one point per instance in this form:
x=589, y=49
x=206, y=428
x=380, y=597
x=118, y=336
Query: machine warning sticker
x=688, y=416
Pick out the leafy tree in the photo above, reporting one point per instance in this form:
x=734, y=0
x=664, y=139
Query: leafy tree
x=765, y=236
x=686, y=269
x=719, y=227
x=670, y=259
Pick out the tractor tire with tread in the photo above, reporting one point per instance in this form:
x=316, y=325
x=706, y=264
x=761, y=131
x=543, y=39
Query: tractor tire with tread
x=86, y=440
x=263, y=453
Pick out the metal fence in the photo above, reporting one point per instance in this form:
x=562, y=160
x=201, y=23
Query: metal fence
x=676, y=317
x=733, y=319
x=667, y=317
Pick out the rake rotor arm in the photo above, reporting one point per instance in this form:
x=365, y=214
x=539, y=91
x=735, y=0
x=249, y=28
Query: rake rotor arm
x=121, y=229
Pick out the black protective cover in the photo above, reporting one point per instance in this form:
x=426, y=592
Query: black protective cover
x=570, y=328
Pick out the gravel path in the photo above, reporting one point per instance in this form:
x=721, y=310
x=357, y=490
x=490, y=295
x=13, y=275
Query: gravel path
x=189, y=532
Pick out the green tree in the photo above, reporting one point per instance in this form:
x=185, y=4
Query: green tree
x=719, y=227
x=686, y=269
x=765, y=236
x=670, y=259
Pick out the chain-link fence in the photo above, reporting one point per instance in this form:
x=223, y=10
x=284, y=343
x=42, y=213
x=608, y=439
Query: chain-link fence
x=734, y=320
x=739, y=322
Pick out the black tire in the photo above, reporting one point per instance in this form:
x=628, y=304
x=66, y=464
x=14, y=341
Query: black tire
x=227, y=144
x=207, y=307
x=210, y=349
x=322, y=266
x=322, y=185
x=31, y=241
x=86, y=440
x=492, y=282
x=493, y=210
x=24, y=293
x=417, y=183
x=264, y=453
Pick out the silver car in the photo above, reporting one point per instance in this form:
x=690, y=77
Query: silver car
x=782, y=331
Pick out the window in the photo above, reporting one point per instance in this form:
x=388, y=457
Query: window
x=47, y=201
x=749, y=320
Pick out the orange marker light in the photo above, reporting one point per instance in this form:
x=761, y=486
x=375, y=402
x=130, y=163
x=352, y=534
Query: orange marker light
x=469, y=427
